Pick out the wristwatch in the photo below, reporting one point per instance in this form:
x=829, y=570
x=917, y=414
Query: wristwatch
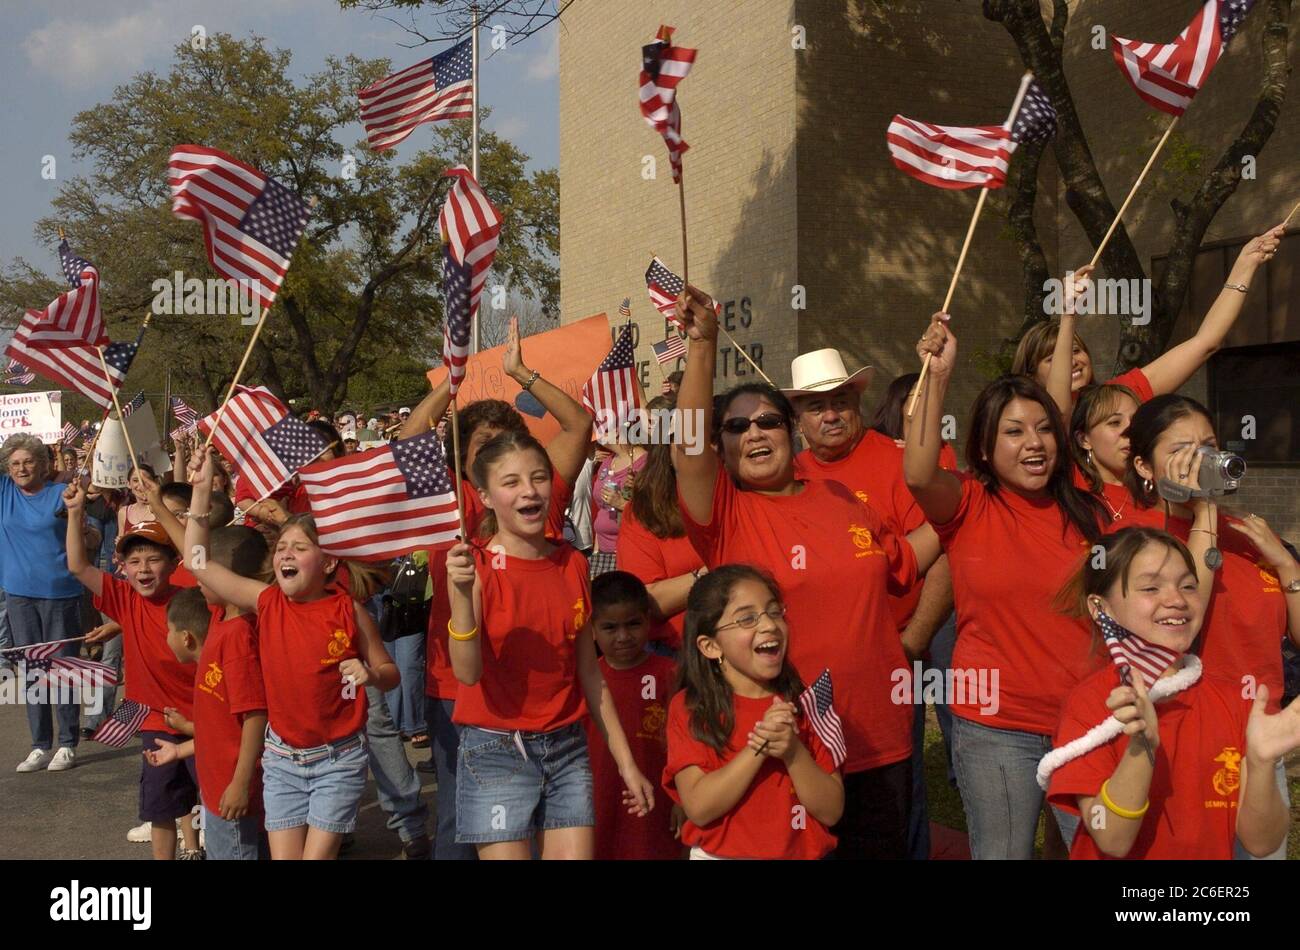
x=1239, y=287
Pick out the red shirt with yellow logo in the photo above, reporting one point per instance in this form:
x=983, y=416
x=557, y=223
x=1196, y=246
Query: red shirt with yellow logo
x=1194, y=787
x=641, y=696
x=654, y=559
x=227, y=685
x=532, y=614
x=300, y=647
x=768, y=822
x=1009, y=556
x=1246, y=617
x=836, y=563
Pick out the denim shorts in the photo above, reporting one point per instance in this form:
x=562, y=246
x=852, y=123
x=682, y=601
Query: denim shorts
x=239, y=840
x=511, y=785
x=300, y=789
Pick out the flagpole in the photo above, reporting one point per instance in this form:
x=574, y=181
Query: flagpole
x=681, y=196
x=1290, y=216
x=167, y=407
x=248, y=351
x=112, y=390
x=1025, y=80
x=476, y=332
x=455, y=451
x=139, y=338
x=1132, y=191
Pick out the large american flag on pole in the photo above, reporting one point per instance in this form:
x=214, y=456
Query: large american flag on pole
x=384, y=502
x=435, y=89
x=125, y=722
x=817, y=705
x=74, y=318
x=471, y=227
x=73, y=367
x=954, y=156
x=264, y=443
x=663, y=66
x=251, y=223
x=613, y=392
x=1168, y=75
x=1128, y=649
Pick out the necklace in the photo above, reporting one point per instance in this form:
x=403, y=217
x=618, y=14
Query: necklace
x=1114, y=515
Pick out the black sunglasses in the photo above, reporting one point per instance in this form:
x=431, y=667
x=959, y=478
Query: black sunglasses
x=737, y=425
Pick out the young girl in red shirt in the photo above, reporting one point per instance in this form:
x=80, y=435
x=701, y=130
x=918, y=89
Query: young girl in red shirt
x=522, y=766
x=752, y=776
x=317, y=647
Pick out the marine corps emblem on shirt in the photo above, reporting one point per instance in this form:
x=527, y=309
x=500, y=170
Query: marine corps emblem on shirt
x=213, y=676
x=862, y=540
x=1228, y=779
x=862, y=497
x=652, y=723
x=1272, y=582
x=337, y=646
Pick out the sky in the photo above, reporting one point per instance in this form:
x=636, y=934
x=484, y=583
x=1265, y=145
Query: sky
x=62, y=56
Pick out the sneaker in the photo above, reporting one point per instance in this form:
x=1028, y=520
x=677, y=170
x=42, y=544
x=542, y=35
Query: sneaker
x=141, y=834
x=418, y=849
x=36, y=760
x=63, y=760
x=198, y=854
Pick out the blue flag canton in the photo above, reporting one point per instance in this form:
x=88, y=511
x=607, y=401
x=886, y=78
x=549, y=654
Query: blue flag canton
x=823, y=693
x=73, y=266
x=456, y=284
x=276, y=218
x=1035, y=119
x=620, y=357
x=652, y=56
x=1231, y=14
x=664, y=279
x=294, y=442
x=422, y=464
x=1110, y=629
x=453, y=65
x=119, y=356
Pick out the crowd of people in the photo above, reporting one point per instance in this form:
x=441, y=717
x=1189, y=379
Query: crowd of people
x=640, y=651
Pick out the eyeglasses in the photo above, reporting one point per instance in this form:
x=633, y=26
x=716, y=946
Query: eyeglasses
x=750, y=621
x=738, y=425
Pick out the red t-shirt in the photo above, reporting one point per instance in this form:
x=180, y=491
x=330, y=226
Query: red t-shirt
x=1194, y=799
x=874, y=472
x=641, y=697
x=1135, y=380
x=300, y=647
x=1009, y=556
x=1116, y=499
x=153, y=675
x=768, y=822
x=181, y=577
x=1246, y=618
x=439, y=681
x=227, y=685
x=835, y=562
x=533, y=612
x=653, y=559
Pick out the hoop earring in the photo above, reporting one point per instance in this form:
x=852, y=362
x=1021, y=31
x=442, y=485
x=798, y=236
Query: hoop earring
x=1147, y=486
x=1090, y=465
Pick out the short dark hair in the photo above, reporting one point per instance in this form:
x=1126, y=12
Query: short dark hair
x=330, y=433
x=222, y=508
x=188, y=611
x=615, y=588
x=496, y=413
x=240, y=549
x=181, y=491
x=130, y=544
x=675, y=377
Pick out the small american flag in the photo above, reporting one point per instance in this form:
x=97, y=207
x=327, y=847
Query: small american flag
x=125, y=722
x=951, y=156
x=663, y=66
x=70, y=432
x=384, y=502
x=1128, y=649
x=664, y=288
x=251, y=223
x=136, y=402
x=471, y=226
x=74, y=318
x=613, y=389
x=72, y=367
x=1168, y=76
x=437, y=88
x=669, y=350
x=34, y=652
x=73, y=671
x=18, y=375
x=264, y=443
x=816, y=702
x=183, y=414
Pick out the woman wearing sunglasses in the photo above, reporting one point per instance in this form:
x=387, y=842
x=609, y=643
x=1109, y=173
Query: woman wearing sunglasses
x=833, y=558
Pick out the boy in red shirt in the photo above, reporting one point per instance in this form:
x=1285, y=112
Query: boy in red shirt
x=641, y=684
x=154, y=677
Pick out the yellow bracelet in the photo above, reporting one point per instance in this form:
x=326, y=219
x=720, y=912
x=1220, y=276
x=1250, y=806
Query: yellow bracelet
x=461, y=636
x=1116, y=809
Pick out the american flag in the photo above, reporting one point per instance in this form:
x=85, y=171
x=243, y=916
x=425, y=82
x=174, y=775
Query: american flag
x=664, y=287
x=125, y=722
x=1128, y=649
x=817, y=706
x=663, y=66
x=34, y=652
x=18, y=375
x=613, y=389
x=954, y=156
x=666, y=388
x=136, y=402
x=73, y=319
x=70, y=432
x=251, y=223
x=670, y=349
x=73, y=367
x=73, y=671
x=471, y=226
x=437, y=88
x=263, y=442
x=384, y=502
x=1168, y=76
x=183, y=414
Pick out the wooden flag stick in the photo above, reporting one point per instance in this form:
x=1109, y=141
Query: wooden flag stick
x=1290, y=216
x=113, y=392
x=139, y=338
x=455, y=451
x=1119, y=215
x=686, y=267
x=248, y=351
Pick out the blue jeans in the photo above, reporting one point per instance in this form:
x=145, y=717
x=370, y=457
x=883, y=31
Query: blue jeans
x=239, y=840
x=323, y=793
x=41, y=620
x=113, y=657
x=1241, y=854
x=918, y=820
x=996, y=771
x=406, y=699
x=941, y=648
x=396, y=783
x=444, y=743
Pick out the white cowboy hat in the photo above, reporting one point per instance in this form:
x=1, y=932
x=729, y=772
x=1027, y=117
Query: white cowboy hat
x=821, y=371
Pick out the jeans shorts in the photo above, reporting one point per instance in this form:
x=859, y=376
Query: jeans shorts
x=239, y=840
x=170, y=791
x=320, y=787
x=511, y=785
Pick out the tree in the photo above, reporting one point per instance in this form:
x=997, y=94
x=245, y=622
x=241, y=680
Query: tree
x=363, y=293
x=1040, y=45
x=453, y=19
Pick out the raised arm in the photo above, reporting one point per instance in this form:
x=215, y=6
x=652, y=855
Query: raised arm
x=466, y=595
x=170, y=523
x=240, y=592
x=696, y=472
x=1060, y=375
x=1170, y=370
x=568, y=449
x=937, y=491
x=79, y=566
x=425, y=416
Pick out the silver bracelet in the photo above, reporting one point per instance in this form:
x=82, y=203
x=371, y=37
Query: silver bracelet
x=1241, y=287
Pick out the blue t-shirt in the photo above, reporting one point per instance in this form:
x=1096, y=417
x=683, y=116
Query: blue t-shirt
x=33, y=543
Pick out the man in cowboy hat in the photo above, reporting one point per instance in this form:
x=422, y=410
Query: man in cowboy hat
x=827, y=401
